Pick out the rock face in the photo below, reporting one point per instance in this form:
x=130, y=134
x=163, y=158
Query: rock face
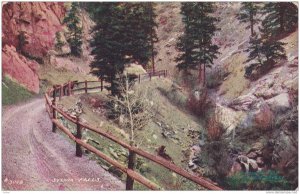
x=280, y=103
x=40, y=21
x=20, y=68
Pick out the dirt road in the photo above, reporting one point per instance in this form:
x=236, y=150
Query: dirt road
x=34, y=158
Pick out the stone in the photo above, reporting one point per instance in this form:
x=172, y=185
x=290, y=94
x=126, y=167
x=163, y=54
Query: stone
x=252, y=155
x=253, y=167
x=279, y=103
x=263, y=117
x=228, y=118
x=259, y=161
x=40, y=21
x=23, y=70
x=243, y=102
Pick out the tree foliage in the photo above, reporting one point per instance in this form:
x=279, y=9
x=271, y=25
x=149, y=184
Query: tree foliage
x=280, y=17
x=248, y=14
x=196, y=43
x=123, y=34
x=74, y=36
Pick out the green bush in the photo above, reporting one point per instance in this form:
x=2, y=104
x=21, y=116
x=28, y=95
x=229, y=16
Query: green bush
x=263, y=180
x=13, y=93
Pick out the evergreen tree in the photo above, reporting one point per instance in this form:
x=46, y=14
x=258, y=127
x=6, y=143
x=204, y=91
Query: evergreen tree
x=74, y=37
x=264, y=52
x=280, y=17
x=196, y=43
x=59, y=43
x=248, y=14
x=123, y=34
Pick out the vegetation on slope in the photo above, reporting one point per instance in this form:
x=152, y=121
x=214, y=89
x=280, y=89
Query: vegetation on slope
x=13, y=92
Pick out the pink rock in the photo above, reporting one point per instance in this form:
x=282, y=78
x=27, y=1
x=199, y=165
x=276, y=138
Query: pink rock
x=39, y=20
x=264, y=117
x=20, y=68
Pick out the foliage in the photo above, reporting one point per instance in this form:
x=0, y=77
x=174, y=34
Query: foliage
x=214, y=129
x=197, y=101
x=13, y=93
x=281, y=17
x=264, y=52
x=195, y=44
x=132, y=109
x=263, y=180
x=248, y=14
x=59, y=43
x=74, y=36
x=123, y=34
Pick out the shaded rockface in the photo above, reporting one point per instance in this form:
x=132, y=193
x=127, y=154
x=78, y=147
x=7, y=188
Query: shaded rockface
x=38, y=22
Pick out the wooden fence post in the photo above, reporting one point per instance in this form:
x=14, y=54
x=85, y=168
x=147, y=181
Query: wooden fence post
x=53, y=115
x=150, y=76
x=139, y=78
x=78, y=135
x=101, y=84
x=131, y=165
x=85, y=86
x=61, y=91
x=69, y=88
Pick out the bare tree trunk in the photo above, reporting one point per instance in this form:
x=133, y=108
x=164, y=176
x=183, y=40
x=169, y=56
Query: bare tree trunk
x=204, y=76
x=200, y=73
x=130, y=112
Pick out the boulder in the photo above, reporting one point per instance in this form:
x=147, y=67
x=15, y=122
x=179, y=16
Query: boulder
x=263, y=117
x=19, y=68
x=279, y=103
x=259, y=161
x=40, y=21
x=252, y=155
x=228, y=118
x=243, y=102
x=253, y=167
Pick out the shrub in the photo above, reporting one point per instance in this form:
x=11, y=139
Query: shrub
x=214, y=129
x=263, y=180
x=197, y=101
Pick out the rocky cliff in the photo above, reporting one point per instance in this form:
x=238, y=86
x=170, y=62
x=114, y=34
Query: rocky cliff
x=38, y=23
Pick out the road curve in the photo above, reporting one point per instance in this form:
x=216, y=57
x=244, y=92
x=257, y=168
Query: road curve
x=34, y=158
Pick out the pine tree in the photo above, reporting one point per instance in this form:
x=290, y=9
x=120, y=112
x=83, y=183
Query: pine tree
x=74, y=37
x=59, y=43
x=264, y=52
x=123, y=34
x=196, y=43
x=248, y=14
x=280, y=17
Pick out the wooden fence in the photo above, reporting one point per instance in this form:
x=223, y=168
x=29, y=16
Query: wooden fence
x=67, y=89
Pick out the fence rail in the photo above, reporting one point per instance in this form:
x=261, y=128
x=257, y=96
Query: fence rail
x=67, y=89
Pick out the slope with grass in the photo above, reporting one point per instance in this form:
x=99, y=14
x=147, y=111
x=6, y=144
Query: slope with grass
x=173, y=126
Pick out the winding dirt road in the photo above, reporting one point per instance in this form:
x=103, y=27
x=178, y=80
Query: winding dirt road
x=34, y=158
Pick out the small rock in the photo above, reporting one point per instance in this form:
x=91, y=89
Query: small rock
x=253, y=167
x=260, y=161
x=154, y=136
x=252, y=155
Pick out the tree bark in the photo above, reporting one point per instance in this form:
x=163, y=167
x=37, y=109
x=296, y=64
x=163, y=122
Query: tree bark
x=200, y=73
